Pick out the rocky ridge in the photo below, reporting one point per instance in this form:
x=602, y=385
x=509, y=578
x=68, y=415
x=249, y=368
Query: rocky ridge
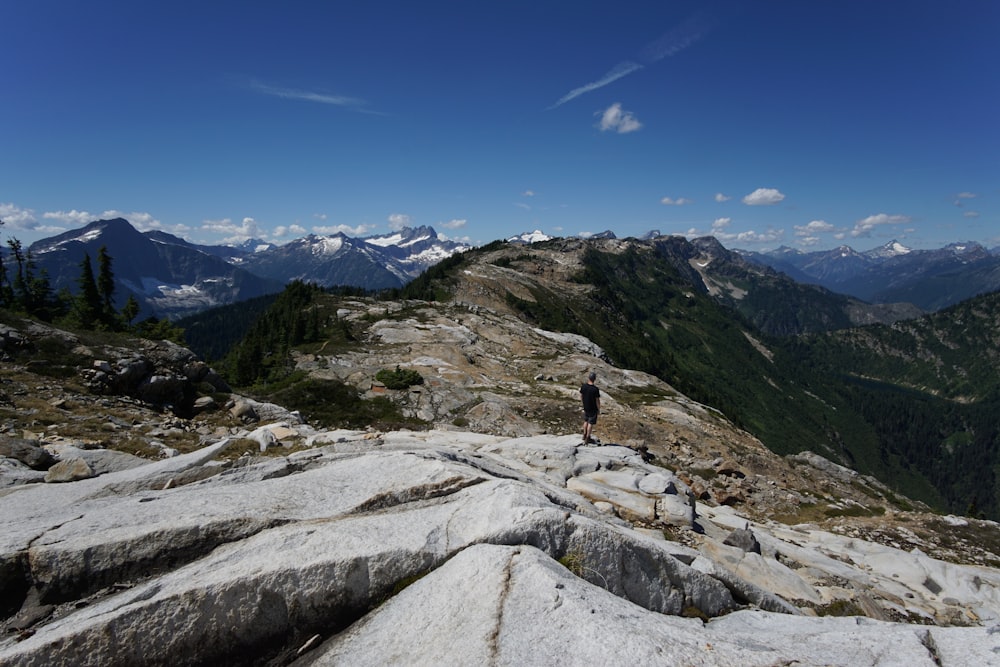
x=241, y=533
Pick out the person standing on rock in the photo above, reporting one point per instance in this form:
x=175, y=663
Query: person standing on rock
x=591, y=396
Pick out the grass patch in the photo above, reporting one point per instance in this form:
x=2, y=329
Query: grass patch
x=647, y=394
x=854, y=511
x=574, y=562
x=840, y=608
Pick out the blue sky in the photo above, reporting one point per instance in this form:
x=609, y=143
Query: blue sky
x=773, y=122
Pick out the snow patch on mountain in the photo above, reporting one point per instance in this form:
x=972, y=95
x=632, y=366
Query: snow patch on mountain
x=891, y=249
x=431, y=255
x=385, y=241
x=536, y=236
x=327, y=245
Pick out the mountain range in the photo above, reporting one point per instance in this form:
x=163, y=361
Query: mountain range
x=929, y=279
x=171, y=277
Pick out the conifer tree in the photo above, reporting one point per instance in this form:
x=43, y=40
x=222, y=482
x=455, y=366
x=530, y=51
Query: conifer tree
x=88, y=301
x=6, y=293
x=130, y=310
x=18, y=283
x=105, y=285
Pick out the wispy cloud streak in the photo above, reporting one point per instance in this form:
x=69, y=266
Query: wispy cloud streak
x=670, y=43
x=352, y=103
x=676, y=40
x=620, y=70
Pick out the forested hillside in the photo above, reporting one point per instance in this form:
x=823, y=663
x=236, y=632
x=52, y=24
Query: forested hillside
x=930, y=388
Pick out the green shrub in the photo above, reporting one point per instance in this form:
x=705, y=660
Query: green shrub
x=401, y=378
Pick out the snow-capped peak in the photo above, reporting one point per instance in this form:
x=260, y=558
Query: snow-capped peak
x=530, y=237
x=891, y=249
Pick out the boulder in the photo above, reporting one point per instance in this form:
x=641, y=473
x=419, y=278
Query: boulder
x=69, y=470
x=27, y=452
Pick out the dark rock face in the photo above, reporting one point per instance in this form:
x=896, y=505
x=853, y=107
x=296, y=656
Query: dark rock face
x=27, y=452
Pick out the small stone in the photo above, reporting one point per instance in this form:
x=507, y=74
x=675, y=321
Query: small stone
x=743, y=538
x=204, y=404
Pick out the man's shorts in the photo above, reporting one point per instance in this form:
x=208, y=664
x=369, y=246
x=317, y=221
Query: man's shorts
x=590, y=417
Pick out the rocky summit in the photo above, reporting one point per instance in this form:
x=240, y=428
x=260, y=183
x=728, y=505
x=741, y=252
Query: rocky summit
x=199, y=526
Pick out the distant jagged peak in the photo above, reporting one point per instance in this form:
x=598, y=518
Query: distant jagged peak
x=528, y=238
x=891, y=249
x=845, y=251
x=606, y=234
x=966, y=248
x=254, y=245
x=650, y=235
x=403, y=237
x=783, y=251
x=709, y=244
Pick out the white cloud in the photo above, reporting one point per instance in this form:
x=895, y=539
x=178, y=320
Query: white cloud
x=763, y=197
x=971, y=214
x=814, y=227
x=347, y=230
x=521, y=204
x=752, y=237
x=319, y=216
x=528, y=193
x=616, y=120
x=289, y=230
x=73, y=217
x=454, y=224
x=17, y=217
x=807, y=241
x=681, y=201
x=963, y=195
x=721, y=223
x=398, y=220
x=719, y=197
x=865, y=226
x=234, y=232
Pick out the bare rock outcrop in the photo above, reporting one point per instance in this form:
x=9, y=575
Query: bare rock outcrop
x=446, y=548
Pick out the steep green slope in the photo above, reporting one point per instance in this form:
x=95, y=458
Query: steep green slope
x=930, y=388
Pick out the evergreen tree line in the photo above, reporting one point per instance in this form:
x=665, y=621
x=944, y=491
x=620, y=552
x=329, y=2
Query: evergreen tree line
x=25, y=289
x=264, y=353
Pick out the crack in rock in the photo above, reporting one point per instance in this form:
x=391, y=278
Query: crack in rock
x=928, y=641
x=494, y=636
x=391, y=499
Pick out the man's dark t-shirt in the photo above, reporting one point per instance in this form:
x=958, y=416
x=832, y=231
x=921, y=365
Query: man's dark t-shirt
x=590, y=395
